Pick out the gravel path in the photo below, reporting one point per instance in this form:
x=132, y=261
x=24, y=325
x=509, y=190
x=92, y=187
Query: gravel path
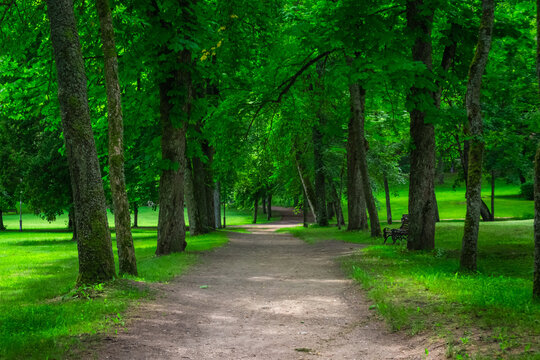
x=265, y=295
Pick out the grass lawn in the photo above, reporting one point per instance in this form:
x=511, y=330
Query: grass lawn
x=451, y=202
x=147, y=218
x=41, y=316
x=488, y=314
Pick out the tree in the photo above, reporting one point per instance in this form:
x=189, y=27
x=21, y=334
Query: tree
x=122, y=221
x=421, y=99
x=475, y=131
x=536, y=277
x=96, y=262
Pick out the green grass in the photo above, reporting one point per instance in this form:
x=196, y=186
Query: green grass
x=41, y=316
x=451, y=202
x=489, y=313
x=148, y=217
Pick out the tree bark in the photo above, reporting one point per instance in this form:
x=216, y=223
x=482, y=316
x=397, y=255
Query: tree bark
x=387, y=195
x=171, y=223
x=209, y=186
x=304, y=211
x=536, y=276
x=493, y=196
x=217, y=206
x=135, y=215
x=422, y=173
x=464, y=158
x=436, y=205
x=96, y=262
x=192, y=196
x=72, y=224
x=264, y=205
x=475, y=131
x=358, y=106
x=309, y=193
x=356, y=201
x=2, y=227
x=255, y=208
x=320, y=178
x=269, y=210
x=122, y=221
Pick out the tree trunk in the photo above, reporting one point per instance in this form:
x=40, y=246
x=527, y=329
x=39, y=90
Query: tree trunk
x=356, y=201
x=255, y=208
x=96, y=262
x=72, y=224
x=493, y=196
x=264, y=204
x=122, y=221
x=171, y=223
x=309, y=193
x=217, y=207
x=304, y=211
x=192, y=196
x=388, y=208
x=475, y=131
x=422, y=173
x=437, y=216
x=209, y=187
x=269, y=210
x=320, y=178
x=464, y=157
x=358, y=106
x=536, y=276
x=224, y=215
x=330, y=209
x=135, y=215
x=337, y=207
x=2, y=227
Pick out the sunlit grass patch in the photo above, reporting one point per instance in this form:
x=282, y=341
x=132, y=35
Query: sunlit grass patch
x=42, y=316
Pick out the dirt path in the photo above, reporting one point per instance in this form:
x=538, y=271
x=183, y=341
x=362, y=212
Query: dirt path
x=265, y=295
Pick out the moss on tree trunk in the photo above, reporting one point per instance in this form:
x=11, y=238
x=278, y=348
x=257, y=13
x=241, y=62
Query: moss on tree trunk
x=96, y=262
x=122, y=220
x=475, y=131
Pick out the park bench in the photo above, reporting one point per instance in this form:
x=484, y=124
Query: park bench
x=398, y=234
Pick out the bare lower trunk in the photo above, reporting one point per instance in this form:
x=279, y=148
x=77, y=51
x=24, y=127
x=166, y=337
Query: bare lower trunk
x=255, y=208
x=475, y=131
x=356, y=201
x=209, y=187
x=304, y=211
x=320, y=177
x=358, y=106
x=437, y=217
x=192, y=196
x=264, y=204
x=96, y=262
x=217, y=207
x=493, y=196
x=72, y=224
x=422, y=173
x=269, y=209
x=2, y=227
x=309, y=193
x=171, y=223
x=135, y=215
x=536, y=276
x=122, y=221
x=387, y=195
